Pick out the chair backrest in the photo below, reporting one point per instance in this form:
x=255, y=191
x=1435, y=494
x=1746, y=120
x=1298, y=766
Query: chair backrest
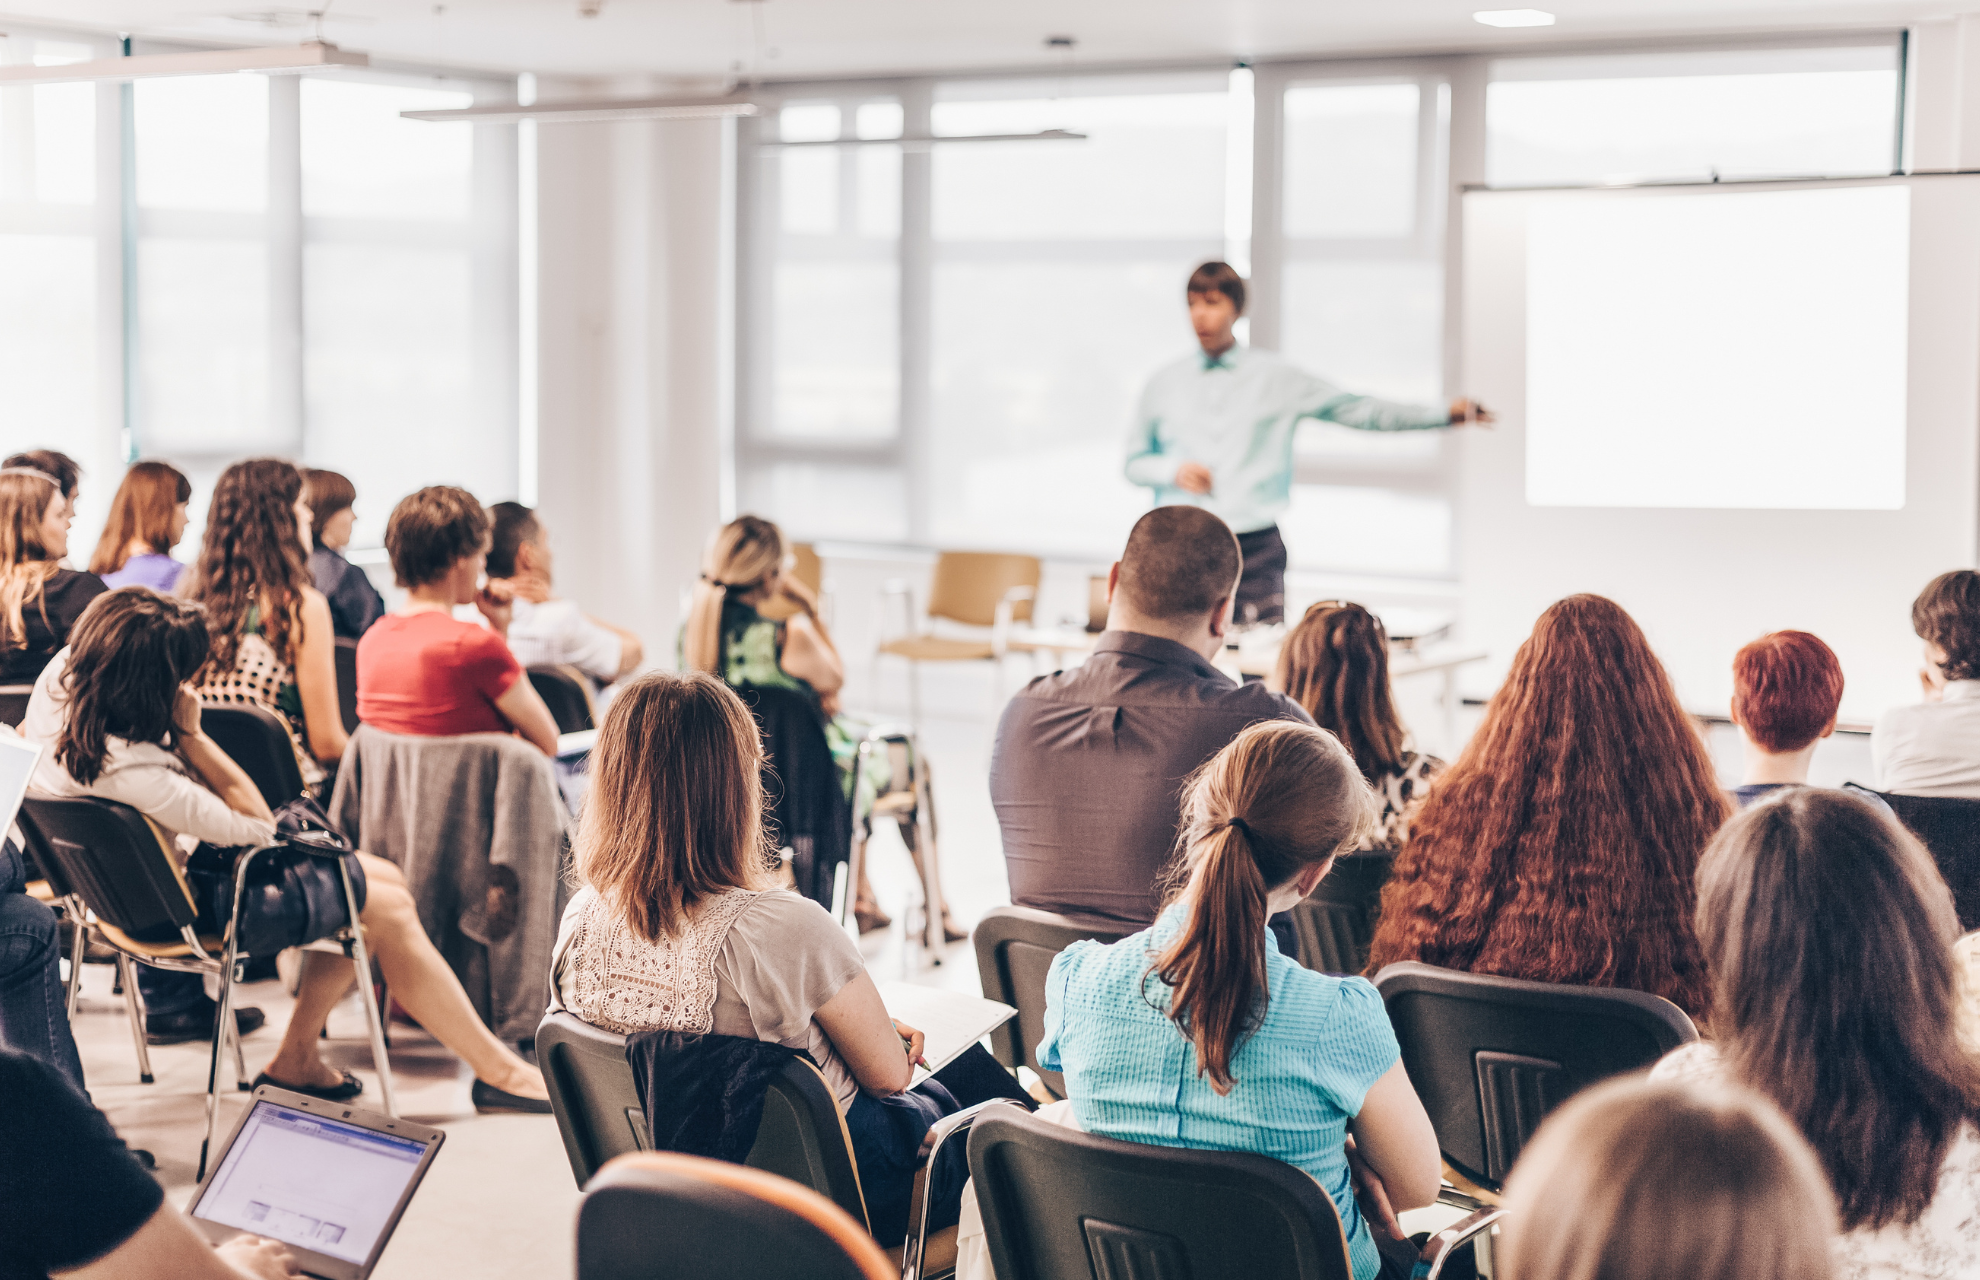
x=1058, y=1203
x=1096, y=603
x=258, y=741
x=14, y=703
x=1014, y=950
x=1491, y=1056
x=110, y=855
x=566, y=695
x=1336, y=922
x=968, y=585
x=802, y=1136
x=1949, y=826
x=347, y=682
x=806, y=567
x=661, y=1214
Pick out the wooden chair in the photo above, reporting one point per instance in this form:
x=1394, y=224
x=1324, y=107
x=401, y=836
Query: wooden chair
x=910, y=802
x=989, y=591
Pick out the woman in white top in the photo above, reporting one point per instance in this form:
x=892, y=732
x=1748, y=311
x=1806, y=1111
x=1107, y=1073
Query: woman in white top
x=1933, y=747
x=105, y=709
x=1829, y=934
x=680, y=927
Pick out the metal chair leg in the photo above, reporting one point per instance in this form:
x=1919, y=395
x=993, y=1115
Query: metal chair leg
x=223, y=1027
x=926, y=860
x=78, y=943
x=374, y=1020
x=129, y=981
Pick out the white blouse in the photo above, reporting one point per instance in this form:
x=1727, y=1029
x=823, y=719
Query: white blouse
x=1932, y=748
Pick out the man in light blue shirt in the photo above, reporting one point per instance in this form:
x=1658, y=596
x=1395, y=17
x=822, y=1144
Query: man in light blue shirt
x=1215, y=429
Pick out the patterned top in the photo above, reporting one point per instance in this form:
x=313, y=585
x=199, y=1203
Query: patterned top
x=1402, y=795
x=623, y=983
x=260, y=676
x=1301, y=1076
x=1941, y=1245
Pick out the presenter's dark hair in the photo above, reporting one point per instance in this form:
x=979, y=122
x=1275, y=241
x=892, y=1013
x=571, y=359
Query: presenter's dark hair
x=1218, y=277
x=128, y=654
x=510, y=524
x=1179, y=562
x=1947, y=614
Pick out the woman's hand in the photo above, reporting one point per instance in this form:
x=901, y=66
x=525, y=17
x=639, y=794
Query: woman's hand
x=1372, y=1196
x=915, y=1041
x=185, y=712
x=497, y=602
x=262, y=1259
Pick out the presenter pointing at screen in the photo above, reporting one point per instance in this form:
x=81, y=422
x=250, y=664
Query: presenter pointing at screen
x=1215, y=430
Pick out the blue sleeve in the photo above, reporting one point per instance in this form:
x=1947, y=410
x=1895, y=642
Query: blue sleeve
x=1360, y=1048
x=1055, y=1003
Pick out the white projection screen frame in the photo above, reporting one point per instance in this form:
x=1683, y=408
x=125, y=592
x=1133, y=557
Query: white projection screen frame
x=1705, y=579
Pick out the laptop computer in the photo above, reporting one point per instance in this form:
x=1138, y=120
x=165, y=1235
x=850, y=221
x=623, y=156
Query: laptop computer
x=18, y=757
x=326, y=1179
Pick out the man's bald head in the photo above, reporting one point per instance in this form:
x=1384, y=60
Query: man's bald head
x=1179, y=562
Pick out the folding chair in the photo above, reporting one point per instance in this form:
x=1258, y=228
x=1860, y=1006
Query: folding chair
x=1949, y=828
x=1015, y=947
x=1336, y=922
x=257, y=740
x=912, y=808
x=978, y=589
x=567, y=694
x=347, y=682
x=122, y=869
x=14, y=702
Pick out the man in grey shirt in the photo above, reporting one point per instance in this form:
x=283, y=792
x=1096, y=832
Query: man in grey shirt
x=1089, y=764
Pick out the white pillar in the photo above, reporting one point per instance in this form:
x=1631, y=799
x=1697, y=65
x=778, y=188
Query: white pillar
x=1942, y=112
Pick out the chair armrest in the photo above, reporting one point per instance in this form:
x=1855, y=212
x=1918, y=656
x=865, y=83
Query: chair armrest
x=1005, y=618
x=940, y=1132
x=1438, y=1250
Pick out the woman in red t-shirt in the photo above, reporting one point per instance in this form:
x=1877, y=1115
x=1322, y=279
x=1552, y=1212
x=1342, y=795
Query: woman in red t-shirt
x=423, y=672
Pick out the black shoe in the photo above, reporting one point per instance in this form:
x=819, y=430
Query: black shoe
x=488, y=1098
x=143, y=1157
x=343, y=1091
x=196, y=1023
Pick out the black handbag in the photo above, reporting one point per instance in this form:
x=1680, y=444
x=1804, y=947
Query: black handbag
x=294, y=894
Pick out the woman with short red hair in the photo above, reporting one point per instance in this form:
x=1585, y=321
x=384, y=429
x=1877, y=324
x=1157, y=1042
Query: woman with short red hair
x=1561, y=845
x=1787, y=686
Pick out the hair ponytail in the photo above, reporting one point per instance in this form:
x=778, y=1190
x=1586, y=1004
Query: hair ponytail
x=742, y=555
x=1281, y=798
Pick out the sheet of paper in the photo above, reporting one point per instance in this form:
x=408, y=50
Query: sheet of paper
x=952, y=1021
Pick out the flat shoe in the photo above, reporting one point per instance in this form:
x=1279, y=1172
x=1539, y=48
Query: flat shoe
x=343, y=1091
x=870, y=918
x=488, y=1098
x=197, y=1024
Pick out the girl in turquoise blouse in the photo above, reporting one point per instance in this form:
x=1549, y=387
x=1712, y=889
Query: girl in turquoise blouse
x=1198, y=1033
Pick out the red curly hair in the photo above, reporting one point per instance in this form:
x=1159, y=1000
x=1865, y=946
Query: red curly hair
x=1562, y=845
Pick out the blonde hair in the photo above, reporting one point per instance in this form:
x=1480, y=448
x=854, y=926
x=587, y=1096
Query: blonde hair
x=25, y=562
x=743, y=555
x=1639, y=1181
x=674, y=812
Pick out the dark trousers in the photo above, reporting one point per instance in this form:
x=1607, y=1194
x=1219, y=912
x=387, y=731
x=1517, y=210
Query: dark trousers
x=1261, y=593
x=34, y=1013
x=887, y=1133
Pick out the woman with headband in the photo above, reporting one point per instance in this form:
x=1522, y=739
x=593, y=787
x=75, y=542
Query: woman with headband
x=39, y=599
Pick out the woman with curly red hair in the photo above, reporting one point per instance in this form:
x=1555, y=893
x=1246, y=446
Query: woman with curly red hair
x=1562, y=844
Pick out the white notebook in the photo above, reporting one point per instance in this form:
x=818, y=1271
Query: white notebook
x=951, y=1021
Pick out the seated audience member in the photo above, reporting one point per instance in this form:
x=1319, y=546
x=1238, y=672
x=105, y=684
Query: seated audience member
x=1636, y=1181
x=1933, y=748
x=544, y=630
x=75, y=1203
x=1198, y=1033
x=1088, y=767
x=60, y=467
x=39, y=599
x=272, y=639
x=1335, y=664
x=147, y=519
x=679, y=927
x=423, y=672
x=34, y=1015
x=105, y=709
x=1830, y=937
x=354, y=603
x=1787, y=686
x=1561, y=845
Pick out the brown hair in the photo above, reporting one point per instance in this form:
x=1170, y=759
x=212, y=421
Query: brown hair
x=1830, y=932
x=59, y=467
x=25, y=562
x=510, y=524
x=330, y=492
x=675, y=808
x=141, y=512
x=1638, y=1181
x=1281, y=797
x=251, y=557
x=1335, y=663
x=128, y=654
x=1947, y=614
x=1562, y=845
x=1218, y=277
x=1179, y=562
x=432, y=530
x=743, y=555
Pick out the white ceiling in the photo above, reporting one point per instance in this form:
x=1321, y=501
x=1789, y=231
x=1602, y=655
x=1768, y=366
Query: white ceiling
x=809, y=38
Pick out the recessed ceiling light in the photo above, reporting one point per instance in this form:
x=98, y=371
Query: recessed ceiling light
x=1514, y=17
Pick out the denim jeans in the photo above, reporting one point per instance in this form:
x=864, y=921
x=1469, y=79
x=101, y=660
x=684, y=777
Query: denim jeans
x=34, y=1015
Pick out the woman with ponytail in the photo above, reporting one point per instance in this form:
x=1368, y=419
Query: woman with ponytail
x=1198, y=1033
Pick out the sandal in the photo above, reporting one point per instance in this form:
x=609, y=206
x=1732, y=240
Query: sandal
x=870, y=916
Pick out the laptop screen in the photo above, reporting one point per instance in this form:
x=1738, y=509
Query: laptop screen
x=17, y=759
x=311, y=1182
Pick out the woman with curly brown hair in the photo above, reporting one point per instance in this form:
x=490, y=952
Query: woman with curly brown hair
x=273, y=643
x=1561, y=845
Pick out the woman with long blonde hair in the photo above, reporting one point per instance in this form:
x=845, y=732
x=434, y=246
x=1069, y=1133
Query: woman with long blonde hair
x=147, y=519
x=39, y=599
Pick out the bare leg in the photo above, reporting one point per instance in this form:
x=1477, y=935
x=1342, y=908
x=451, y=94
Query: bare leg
x=325, y=979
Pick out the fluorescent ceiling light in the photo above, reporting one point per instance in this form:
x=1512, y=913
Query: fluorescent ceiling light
x=1514, y=17
x=312, y=56
x=921, y=142
x=588, y=112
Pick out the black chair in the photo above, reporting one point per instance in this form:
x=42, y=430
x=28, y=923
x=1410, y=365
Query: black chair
x=659, y=1214
x=1491, y=1057
x=1014, y=949
x=1059, y=1204
x=565, y=691
x=257, y=740
x=14, y=703
x=1948, y=826
x=1336, y=922
x=347, y=682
